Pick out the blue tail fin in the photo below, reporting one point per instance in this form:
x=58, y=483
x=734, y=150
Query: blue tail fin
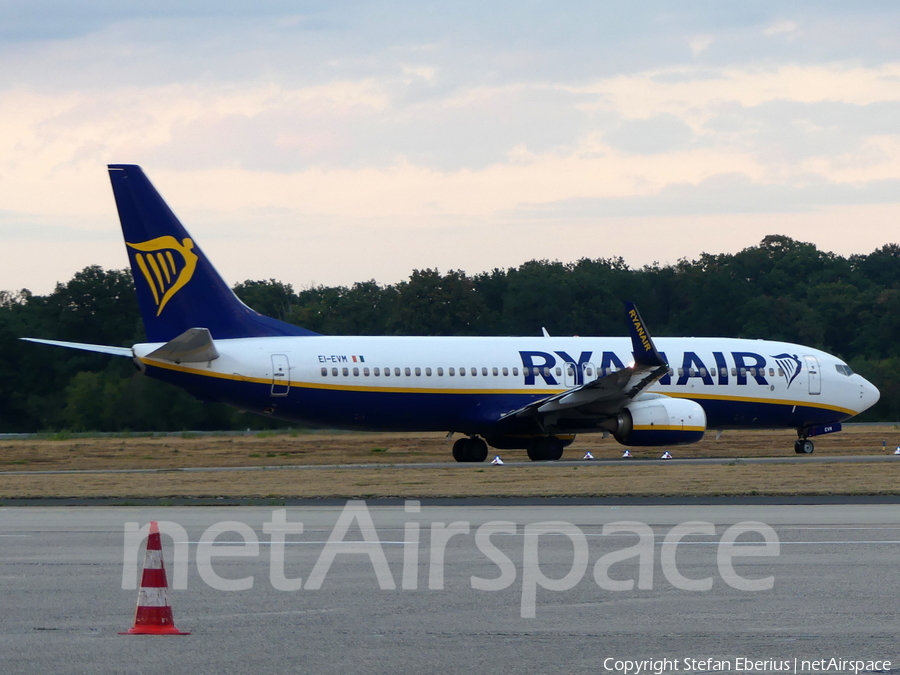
x=177, y=287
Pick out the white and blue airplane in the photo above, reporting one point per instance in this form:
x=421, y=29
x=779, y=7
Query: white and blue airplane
x=530, y=393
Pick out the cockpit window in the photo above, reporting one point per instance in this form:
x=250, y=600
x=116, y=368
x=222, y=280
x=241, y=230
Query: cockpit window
x=844, y=370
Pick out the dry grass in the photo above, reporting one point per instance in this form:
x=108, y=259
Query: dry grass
x=388, y=479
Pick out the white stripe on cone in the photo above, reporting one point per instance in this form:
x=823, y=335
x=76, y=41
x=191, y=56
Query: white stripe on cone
x=153, y=560
x=153, y=597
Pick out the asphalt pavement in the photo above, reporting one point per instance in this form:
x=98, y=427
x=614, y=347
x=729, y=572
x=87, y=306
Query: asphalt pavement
x=407, y=591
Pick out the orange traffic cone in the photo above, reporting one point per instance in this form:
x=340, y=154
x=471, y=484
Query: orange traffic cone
x=154, y=614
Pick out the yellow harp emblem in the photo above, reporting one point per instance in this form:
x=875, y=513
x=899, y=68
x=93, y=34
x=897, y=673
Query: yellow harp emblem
x=166, y=265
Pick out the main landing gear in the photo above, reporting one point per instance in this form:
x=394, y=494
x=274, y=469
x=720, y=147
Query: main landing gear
x=472, y=449
x=540, y=448
x=545, y=449
x=804, y=446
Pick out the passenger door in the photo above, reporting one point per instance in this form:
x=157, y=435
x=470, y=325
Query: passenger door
x=815, y=377
x=281, y=375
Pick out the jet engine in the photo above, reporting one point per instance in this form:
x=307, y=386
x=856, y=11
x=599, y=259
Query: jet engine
x=659, y=420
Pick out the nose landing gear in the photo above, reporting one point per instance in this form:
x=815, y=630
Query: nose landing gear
x=804, y=446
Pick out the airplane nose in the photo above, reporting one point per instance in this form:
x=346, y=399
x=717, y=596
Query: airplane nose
x=868, y=395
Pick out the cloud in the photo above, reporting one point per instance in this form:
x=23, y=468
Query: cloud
x=722, y=194
x=654, y=135
x=700, y=44
x=780, y=27
x=366, y=119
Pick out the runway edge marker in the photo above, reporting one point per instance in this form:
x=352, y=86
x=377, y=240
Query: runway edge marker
x=154, y=613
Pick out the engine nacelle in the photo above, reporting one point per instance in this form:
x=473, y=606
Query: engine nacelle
x=660, y=421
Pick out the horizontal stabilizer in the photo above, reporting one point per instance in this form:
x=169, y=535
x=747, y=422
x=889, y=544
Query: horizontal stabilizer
x=102, y=349
x=192, y=346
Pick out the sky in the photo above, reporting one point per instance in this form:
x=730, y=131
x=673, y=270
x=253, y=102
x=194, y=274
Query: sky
x=335, y=142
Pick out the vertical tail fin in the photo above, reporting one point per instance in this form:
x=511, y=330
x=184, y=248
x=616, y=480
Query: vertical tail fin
x=177, y=287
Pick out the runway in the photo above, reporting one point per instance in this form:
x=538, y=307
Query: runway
x=834, y=591
x=699, y=461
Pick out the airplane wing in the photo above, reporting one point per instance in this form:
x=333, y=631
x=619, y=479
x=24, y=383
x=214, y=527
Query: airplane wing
x=607, y=395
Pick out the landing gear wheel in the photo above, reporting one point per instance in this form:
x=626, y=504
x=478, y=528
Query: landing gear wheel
x=545, y=449
x=470, y=450
x=478, y=450
x=460, y=449
x=804, y=446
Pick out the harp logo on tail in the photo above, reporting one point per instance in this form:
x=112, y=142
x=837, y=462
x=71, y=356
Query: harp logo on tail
x=166, y=265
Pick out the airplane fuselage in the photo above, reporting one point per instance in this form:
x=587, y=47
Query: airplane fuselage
x=468, y=384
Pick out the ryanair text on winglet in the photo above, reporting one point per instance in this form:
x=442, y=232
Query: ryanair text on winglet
x=639, y=327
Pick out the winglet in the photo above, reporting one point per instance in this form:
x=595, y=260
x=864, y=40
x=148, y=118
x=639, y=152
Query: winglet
x=645, y=353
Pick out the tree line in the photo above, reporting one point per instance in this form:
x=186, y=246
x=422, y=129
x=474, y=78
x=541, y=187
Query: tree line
x=780, y=289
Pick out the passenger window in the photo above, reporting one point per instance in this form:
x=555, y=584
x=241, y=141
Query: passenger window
x=588, y=371
x=397, y=372
x=546, y=371
x=334, y=372
x=681, y=372
x=474, y=372
x=365, y=372
x=733, y=372
x=428, y=372
x=558, y=371
x=440, y=372
x=324, y=372
x=356, y=372
x=418, y=372
x=495, y=372
x=376, y=372
x=703, y=372
x=505, y=372
x=671, y=371
x=723, y=372
x=462, y=372
x=753, y=372
x=771, y=372
x=692, y=372
x=387, y=372
x=743, y=372
x=516, y=371
x=484, y=371
x=451, y=372
x=346, y=371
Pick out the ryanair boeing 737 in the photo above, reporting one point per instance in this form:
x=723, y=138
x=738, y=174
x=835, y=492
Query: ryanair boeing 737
x=524, y=393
